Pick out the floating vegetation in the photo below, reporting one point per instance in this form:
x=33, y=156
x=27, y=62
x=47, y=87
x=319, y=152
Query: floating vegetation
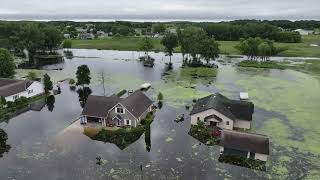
x=244, y=162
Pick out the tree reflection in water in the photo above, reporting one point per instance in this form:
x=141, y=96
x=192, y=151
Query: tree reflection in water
x=4, y=147
x=50, y=100
x=83, y=93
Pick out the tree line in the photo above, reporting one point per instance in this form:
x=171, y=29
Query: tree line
x=234, y=32
x=34, y=37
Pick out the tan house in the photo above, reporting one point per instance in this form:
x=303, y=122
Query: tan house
x=115, y=111
x=251, y=146
x=218, y=111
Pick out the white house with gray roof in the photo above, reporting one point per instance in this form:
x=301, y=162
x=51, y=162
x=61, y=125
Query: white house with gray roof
x=116, y=111
x=218, y=111
x=12, y=89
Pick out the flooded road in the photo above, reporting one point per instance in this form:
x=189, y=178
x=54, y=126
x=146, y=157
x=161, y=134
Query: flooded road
x=286, y=102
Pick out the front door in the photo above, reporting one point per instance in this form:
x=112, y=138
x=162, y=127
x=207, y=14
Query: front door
x=213, y=123
x=118, y=122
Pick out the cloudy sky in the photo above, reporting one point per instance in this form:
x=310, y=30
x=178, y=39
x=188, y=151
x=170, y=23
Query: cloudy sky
x=213, y=10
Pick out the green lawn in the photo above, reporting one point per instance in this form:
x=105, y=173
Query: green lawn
x=227, y=47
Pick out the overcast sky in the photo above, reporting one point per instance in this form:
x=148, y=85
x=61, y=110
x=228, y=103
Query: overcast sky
x=213, y=10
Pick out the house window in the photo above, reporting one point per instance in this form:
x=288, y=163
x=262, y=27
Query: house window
x=119, y=110
x=15, y=97
x=227, y=123
x=30, y=91
x=198, y=118
x=128, y=122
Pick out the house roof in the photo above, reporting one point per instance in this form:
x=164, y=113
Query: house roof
x=98, y=106
x=10, y=87
x=245, y=141
x=233, y=109
x=137, y=103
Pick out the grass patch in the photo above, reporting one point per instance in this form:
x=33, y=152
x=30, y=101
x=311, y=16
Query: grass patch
x=302, y=49
x=261, y=64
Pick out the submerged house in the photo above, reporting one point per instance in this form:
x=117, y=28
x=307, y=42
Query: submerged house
x=12, y=89
x=218, y=111
x=115, y=111
x=251, y=146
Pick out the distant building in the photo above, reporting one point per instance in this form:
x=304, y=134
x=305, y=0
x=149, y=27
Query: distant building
x=304, y=31
x=12, y=89
x=67, y=36
x=218, y=111
x=251, y=146
x=115, y=111
x=102, y=34
x=86, y=36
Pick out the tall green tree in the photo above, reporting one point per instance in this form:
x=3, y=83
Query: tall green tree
x=7, y=65
x=33, y=40
x=209, y=49
x=146, y=45
x=170, y=41
x=48, y=86
x=52, y=38
x=67, y=44
x=83, y=75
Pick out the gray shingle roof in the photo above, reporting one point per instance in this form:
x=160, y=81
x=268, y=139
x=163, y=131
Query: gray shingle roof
x=10, y=87
x=137, y=103
x=233, y=109
x=245, y=141
x=98, y=106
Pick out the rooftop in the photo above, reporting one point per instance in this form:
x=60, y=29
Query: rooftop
x=98, y=106
x=233, y=109
x=10, y=87
x=245, y=141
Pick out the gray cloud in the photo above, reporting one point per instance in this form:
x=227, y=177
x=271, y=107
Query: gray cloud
x=160, y=9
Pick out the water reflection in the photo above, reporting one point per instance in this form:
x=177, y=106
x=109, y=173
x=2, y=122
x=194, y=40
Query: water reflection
x=50, y=100
x=243, y=162
x=83, y=93
x=4, y=147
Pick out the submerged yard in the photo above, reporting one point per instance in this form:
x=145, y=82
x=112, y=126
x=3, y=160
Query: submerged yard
x=286, y=109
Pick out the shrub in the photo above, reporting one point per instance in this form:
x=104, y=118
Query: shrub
x=121, y=93
x=160, y=96
x=72, y=82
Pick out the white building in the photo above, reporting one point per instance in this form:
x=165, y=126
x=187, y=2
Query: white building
x=218, y=111
x=304, y=31
x=12, y=89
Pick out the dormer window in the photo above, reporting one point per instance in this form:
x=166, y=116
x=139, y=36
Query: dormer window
x=119, y=110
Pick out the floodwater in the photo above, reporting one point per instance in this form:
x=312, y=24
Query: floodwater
x=286, y=109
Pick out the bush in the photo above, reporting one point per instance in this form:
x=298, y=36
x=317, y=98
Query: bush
x=72, y=82
x=160, y=96
x=121, y=93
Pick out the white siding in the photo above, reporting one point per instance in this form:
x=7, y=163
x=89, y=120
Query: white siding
x=36, y=88
x=262, y=157
x=242, y=124
x=202, y=115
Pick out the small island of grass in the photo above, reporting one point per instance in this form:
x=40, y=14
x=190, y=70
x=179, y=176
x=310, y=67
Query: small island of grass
x=261, y=64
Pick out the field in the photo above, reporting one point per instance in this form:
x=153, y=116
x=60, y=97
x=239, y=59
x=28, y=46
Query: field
x=227, y=47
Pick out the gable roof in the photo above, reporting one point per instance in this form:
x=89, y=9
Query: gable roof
x=10, y=87
x=233, y=109
x=137, y=103
x=245, y=141
x=99, y=106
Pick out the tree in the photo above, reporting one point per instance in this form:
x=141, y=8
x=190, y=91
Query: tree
x=83, y=75
x=146, y=45
x=169, y=41
x=52, y=38
x=160, y=96
x=209, y=49
x=4, y=147
x=67, y=44
x=33, y=39
x=264, y=50
x=31, y=75
x=48, y=86
x=159, y=28
x=7, y=65
x=50, y=100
